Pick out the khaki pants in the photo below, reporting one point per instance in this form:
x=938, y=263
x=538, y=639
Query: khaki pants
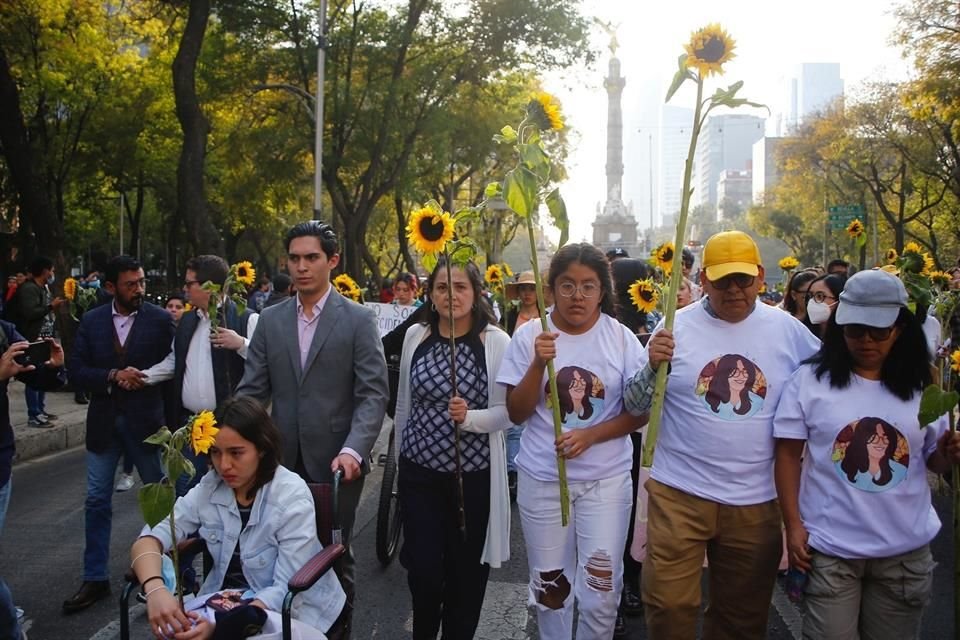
x=875, y=599
x=743, y=546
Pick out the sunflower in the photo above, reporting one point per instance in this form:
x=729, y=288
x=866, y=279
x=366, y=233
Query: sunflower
x=855, y=229
x=70, y=289
x=939, y=279
x=244, y=273
x=890, y=256
x=912, y=247
x=788, y=263
x=645, y=295
x=544, y=110
x=348, y=287
x=428, y=230
x=187, y=307
x=663, y=257
x=891, y=269
x=203, y=430
x=494, y=275
x=507, y=271
x=955, y=361
x=709, y=49
x=929, y=266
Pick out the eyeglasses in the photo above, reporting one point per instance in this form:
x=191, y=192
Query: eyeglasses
x=133, y=285
x=859, y=331
x=743, y=281
x=881, y=438
x=587, y=289
x=820, y=296
x=527, y=287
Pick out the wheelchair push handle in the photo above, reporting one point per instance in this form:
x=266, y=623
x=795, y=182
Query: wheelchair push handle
x=336, y=533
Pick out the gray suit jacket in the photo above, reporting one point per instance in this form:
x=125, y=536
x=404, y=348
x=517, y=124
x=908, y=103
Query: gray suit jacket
x=338, y=399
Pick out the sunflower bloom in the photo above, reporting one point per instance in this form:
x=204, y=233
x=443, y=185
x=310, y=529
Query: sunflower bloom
x=507, y=271
x=70, y=289
x=347, y=287
x=494, y=275
x=929, y=266
x=663, y=257
x=709, y=49
x=203, y=431
x=544, y=110
x=855, y=229
x=939, y=279
x=788, y=263
x=890, y=256
x=428, y=230
x=955, y=361
x=187, y=307
x=645, y=295
x=244, y=273
x=912, y=247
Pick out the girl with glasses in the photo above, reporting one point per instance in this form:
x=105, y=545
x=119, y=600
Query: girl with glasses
x=857, y=510
x=593, y=355
x=822, y=297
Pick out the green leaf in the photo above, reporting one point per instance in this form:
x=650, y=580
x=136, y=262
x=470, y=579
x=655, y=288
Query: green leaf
x=161, y=437
x=156, y=501
x=678, y=77
x=493, y=190
x=467, y=214
x=463, y=254
x=520, y=191
x=558, y=211
x=429, y=261
x=935, y=402
x=536, y=160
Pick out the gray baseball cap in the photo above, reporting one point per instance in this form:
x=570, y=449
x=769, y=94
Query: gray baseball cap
x=873, y=298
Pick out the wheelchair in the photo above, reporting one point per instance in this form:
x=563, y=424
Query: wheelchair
x=326, y=501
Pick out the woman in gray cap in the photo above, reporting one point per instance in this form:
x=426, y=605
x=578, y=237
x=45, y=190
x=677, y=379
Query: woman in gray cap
x=857, y=510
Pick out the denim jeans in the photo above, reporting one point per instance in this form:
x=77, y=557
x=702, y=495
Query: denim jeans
x=35, y=401
x=583, y=560
x=101, y=467
x=9, y=628
x=513, y=446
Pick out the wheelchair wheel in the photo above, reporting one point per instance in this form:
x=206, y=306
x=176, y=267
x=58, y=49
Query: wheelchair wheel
x=388, y=514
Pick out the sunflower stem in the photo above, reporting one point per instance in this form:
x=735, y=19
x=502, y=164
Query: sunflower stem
x=552, y=377
x=461, y=515
x=670, y=304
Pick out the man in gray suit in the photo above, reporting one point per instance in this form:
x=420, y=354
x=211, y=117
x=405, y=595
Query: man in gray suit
x=318, y=358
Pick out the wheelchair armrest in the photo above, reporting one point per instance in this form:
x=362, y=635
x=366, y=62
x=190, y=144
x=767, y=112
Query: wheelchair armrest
x=314, y=569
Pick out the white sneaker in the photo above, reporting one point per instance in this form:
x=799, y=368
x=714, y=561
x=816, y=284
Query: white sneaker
x=125, y=483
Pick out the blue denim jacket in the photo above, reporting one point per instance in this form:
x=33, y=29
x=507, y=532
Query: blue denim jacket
x=280, y=537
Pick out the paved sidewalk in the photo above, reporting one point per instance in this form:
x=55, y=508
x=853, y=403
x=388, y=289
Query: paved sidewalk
x=68, y=429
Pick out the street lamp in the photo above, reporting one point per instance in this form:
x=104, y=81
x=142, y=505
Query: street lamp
x=314, y=106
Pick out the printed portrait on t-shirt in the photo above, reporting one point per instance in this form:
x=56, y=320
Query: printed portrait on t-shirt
x=581, y=396
x=732, y=387
x=871, y=454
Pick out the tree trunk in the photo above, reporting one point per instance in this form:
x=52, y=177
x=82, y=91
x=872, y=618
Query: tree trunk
x=408, y=260
x=191, y=197
x=42, y=229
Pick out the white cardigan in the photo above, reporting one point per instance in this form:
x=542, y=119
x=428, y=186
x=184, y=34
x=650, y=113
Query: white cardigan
x=492, y=421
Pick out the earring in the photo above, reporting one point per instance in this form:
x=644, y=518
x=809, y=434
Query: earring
x=433, y=307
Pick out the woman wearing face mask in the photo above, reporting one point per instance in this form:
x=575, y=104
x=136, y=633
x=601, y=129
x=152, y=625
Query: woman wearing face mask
x=822, y=297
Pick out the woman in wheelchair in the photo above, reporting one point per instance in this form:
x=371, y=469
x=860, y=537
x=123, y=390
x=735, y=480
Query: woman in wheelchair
x=257, y=519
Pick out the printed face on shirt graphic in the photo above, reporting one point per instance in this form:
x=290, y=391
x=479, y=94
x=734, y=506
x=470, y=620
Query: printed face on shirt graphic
x=871, y=454
x=581, y=396
x=732, y=387
x=309, y=266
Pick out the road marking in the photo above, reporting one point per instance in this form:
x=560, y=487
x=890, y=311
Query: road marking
x=788, y=612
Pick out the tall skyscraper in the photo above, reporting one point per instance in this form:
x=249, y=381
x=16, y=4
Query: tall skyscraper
x=676, y=125
x=725, y=144
x=814, y=87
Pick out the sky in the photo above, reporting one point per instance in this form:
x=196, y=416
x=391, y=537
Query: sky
x=771, y=38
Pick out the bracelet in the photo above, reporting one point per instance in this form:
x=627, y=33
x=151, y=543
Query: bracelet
x=147, y=594
x=145, y=553
x=144, y=582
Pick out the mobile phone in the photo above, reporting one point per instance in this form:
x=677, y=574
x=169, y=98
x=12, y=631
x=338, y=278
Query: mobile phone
x=35, y=354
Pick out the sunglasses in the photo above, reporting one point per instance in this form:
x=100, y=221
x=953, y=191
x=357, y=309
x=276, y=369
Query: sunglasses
x=859, y=331
x=743, y=281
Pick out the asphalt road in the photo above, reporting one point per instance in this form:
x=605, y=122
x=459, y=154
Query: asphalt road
x=42, y=546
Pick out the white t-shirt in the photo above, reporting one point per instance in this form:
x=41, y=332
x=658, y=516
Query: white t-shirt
x=716, y=432
x=931, y=329
x=872, y=501
x=591, y=370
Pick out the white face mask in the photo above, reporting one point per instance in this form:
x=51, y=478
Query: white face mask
x=818, y=312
